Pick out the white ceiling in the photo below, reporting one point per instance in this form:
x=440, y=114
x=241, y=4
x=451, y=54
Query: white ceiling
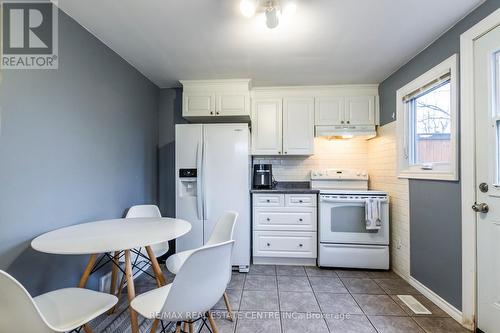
x=327, y=42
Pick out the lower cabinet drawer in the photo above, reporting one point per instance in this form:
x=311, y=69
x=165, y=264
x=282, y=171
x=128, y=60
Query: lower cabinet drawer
x=273, y=219
x=292, y=244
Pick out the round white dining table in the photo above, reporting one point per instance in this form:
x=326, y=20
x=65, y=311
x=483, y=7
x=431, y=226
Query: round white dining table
x=113, y=236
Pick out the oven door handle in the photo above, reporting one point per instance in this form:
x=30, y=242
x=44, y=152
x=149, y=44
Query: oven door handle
x=342, y=200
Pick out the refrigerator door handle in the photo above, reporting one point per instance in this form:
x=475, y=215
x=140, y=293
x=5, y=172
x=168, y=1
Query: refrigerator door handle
x=203, y=164
x=199, y=202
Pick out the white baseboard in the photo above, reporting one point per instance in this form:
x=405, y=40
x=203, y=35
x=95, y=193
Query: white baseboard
x=439, y=301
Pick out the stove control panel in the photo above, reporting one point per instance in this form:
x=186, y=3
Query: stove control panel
x=339, y=174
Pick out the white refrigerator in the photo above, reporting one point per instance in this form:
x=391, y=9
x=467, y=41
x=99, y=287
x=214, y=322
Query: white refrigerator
x=212, y=170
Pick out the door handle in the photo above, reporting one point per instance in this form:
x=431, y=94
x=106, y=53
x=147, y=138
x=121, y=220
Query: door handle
x=481, y=208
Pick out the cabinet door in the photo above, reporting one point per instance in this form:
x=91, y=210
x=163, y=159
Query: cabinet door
x=232, y=105
x=298, y=126
x=198, y=104
x=360, y=110
x=266, y=127
x=329, y=111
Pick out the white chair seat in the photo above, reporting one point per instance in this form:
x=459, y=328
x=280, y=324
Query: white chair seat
x=70, y=308
x=151, y=302
x=175, y=261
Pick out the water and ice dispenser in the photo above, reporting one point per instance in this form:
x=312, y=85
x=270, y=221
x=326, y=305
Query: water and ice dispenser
x=188, y=182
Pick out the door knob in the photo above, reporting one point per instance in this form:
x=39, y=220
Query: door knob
x=481, y=208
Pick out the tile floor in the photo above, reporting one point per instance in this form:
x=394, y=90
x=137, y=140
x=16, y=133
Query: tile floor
x=293, y=299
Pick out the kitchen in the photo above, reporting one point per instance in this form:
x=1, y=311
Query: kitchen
x=277, y=166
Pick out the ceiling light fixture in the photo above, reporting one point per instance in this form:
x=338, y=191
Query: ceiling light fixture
x=248, y=7
x=271, y=9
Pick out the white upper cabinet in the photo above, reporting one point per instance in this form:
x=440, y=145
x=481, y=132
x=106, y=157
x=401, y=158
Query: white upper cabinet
x=298, y=126
x=360, y=110
x=232, y=104
x=267, y=126
x=199, y=104
x=329, y=110
x=216, y=100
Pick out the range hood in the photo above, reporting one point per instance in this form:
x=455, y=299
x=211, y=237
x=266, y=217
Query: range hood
x=346, y=132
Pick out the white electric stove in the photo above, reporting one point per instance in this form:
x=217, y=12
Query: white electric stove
x=344, y=240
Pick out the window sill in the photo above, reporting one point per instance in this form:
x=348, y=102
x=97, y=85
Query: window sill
x=428, y=175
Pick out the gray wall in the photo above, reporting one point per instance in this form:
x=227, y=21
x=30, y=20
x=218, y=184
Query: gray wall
x=77, y=144
x=435, y=226
x=170, y=113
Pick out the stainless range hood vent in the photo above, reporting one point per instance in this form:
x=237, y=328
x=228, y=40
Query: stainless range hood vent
x=346, y=132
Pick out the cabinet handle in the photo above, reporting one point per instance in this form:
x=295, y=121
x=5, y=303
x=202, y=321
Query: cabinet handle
x=300, y=220
x=279, y=153
x=342, y=122
x=268, y=244
x=348, y=121
x=268, y=219
x=216, y=112
x=286, y=152
x=268, y=200
x=300, y=245
x=211, y=112
x=301, y=201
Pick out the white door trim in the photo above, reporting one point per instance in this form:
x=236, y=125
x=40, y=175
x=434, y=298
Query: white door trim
x=468, y=168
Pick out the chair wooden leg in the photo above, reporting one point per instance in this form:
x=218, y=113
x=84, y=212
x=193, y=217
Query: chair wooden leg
x=154, y=326
x=212, y=322
x=228, y=306
x=114, y=273
x=178, y=327
x=185, y=329
x=131, y=292
x=86, y=272
x=156, y=267
x=191, y=330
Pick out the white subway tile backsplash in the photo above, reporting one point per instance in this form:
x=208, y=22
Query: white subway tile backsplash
x=328, y=154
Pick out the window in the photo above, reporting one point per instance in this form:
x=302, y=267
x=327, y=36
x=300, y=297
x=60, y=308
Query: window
x=427, y=122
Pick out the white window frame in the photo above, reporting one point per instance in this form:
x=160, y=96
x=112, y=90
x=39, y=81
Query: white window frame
x=439, y=171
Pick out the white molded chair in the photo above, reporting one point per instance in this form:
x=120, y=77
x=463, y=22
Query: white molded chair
x=148, y=211
x=223, y=232
x=61, y=310
x=196, y=288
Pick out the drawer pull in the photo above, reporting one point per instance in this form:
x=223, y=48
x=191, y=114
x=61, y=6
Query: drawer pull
x=268, y=244
x=300, y=245
x=301, y=201
x=300, y=220
x=268, y=219
x=268, y=200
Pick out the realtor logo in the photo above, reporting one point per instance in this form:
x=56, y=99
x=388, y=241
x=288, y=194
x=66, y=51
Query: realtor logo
x=29, y=35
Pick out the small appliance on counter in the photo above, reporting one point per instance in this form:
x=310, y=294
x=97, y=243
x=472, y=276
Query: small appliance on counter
x=263, y=176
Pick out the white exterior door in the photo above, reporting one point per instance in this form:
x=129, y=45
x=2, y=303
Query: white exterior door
x=298, y=126
x=267, y=127
x=329, y=111
x=360, y=110
x=487, y=108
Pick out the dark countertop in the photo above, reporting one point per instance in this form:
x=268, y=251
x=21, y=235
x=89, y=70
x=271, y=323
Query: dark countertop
x=289, y=187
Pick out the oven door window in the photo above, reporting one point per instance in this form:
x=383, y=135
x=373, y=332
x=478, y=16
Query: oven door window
x=348, y=218
x=344, y=222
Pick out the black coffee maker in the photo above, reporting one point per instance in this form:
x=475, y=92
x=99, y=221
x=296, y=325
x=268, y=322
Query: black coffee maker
x=263, y=176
